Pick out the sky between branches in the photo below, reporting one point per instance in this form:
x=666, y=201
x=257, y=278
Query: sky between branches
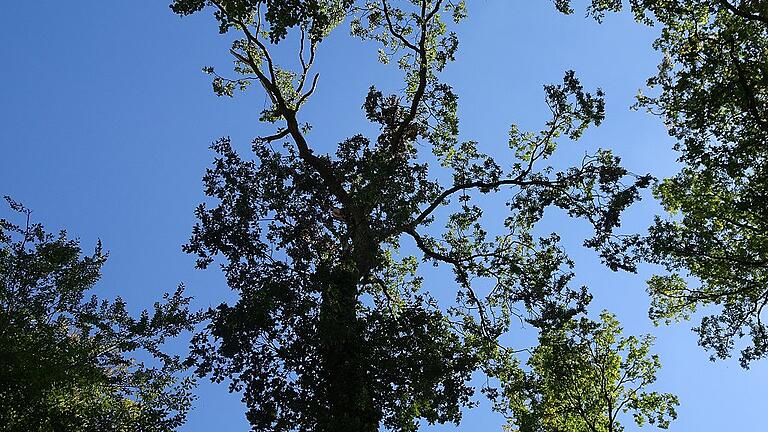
x=105, y=122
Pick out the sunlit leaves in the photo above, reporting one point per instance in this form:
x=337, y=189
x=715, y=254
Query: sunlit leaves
x=70, y=362
x=583, y=378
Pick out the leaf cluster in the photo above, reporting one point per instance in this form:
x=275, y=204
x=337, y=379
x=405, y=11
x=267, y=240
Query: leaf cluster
x=69, y=361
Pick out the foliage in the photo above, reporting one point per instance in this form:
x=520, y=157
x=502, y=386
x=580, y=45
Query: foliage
x=712, y=93
x=66, y=361
x=335, y=328
x=581, y=378
x=714, y=100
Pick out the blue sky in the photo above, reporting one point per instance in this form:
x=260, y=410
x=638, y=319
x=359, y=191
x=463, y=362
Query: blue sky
x=105, y=122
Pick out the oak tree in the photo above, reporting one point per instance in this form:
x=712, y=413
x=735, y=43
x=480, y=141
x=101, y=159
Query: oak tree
x=335, y=328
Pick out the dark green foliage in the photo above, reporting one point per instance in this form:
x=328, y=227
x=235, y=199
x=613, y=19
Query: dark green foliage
x=714, y=98
x=712, y=92
x=66, y=360
x=317, y=16
x=334, y=329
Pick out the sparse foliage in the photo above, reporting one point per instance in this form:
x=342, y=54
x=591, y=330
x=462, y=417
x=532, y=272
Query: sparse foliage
x=585, y=377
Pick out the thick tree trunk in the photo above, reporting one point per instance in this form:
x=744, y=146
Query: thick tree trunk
x=349, y=401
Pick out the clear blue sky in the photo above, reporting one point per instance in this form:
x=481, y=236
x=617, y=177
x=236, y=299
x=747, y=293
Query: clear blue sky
x=105, y=122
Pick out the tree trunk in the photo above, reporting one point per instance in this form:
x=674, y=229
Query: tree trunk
x=349, y=401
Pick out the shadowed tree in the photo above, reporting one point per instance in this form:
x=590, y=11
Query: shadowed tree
x=71, y=363
x=335, y=328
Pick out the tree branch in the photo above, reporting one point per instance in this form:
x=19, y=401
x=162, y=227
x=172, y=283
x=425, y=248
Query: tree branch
x=742, y=13
x=517, y=181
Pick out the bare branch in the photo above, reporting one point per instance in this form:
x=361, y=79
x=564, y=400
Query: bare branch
x=390, y=25
x=306, y=95
x=279, y=135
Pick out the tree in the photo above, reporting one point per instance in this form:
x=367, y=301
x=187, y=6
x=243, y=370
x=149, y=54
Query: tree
x=335, y=329
x=71, y=363
x=582, y=377
x=712, y=92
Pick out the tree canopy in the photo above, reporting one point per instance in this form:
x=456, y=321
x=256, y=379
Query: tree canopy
x=711, y=92
x=69, y=362
x=335, y=328
x=582, y=377
x=713, y=96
